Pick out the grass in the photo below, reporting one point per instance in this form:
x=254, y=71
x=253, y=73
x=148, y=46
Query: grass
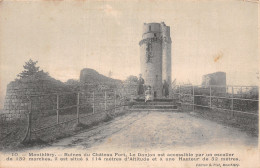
x=11, y=138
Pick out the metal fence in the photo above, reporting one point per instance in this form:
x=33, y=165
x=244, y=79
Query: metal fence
x=47, y=111
x=237, y=99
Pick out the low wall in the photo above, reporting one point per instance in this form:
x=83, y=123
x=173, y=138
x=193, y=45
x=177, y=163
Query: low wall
x=20, y=93
x=43, y=97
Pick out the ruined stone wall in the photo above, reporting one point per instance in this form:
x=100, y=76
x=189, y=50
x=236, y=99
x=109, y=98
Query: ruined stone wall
x=103, y=94
x=43, y=97
x=217, y=78
x=19, y=94
x=99, y=94
x=129, y=90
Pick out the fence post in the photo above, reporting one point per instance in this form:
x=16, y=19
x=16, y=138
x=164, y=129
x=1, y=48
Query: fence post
x=106, y=101
x=232, y=102
x=115, y=101
x=193, y=98
x=57, y=109
x=179, y=93
x=27, y=137
x=78, y=108
x=226, y=91
x=210, y=101
x=93, y=102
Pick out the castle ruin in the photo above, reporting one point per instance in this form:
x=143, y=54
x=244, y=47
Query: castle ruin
x=155, y=56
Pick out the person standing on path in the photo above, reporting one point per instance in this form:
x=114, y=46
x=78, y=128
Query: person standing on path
x=165, y=90
x=140, y=89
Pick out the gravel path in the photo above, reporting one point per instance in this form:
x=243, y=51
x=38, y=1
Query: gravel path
x=157, y=130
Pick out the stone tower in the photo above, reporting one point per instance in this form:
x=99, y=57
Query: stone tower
x=155, y=56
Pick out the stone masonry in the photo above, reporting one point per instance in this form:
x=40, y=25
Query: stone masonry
x=155, y=56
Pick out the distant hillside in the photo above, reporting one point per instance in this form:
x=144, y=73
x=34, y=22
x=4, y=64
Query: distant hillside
x=91, y=76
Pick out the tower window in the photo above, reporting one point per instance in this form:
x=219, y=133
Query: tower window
x=150, y=28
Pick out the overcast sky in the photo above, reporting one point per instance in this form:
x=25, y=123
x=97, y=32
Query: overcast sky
x=207, y=36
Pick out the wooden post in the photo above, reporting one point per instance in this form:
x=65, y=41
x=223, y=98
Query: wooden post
x=57, y=109
x=93, y=102
x=115, y=101
x=232, y=101
x=210, y=101
x=179, y=93
x=78, y=108
x=27, y=137
x=193, y=98
x=105, y=101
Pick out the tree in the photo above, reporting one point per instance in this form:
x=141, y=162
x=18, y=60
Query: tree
x=132, y=79
x=30, y=69
x=72, y=82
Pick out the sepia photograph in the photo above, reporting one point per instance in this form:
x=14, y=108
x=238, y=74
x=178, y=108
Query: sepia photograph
x=122, y=83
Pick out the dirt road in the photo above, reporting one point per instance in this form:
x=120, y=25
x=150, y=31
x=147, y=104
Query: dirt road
x=157, y=130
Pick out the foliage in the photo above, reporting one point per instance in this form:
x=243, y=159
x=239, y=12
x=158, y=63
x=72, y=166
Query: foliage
x=72, y=82
x=131, y=79
x=30, y=69
x=252, y=93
